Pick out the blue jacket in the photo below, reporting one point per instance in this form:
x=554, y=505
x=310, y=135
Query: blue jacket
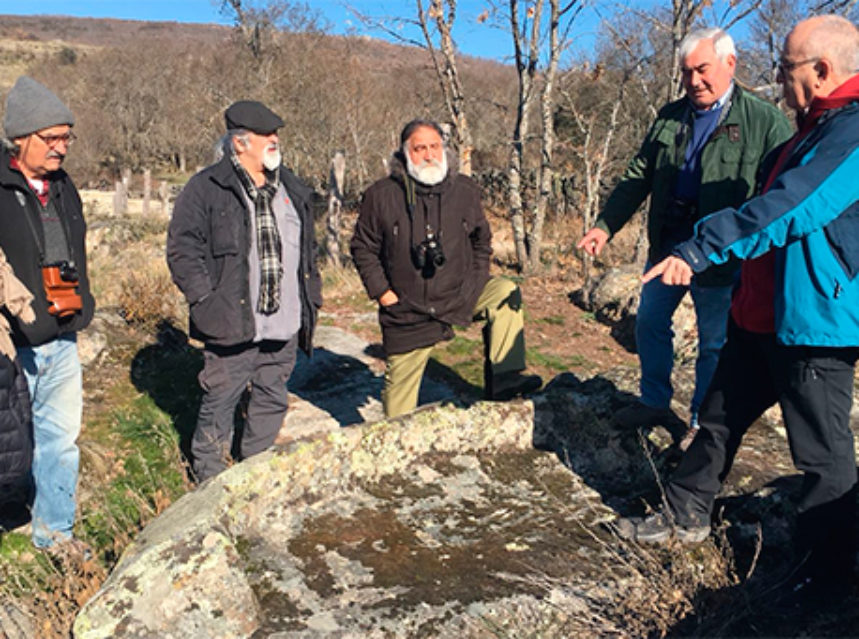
x=810, y=216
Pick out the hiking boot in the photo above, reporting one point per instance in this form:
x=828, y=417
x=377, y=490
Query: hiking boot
x=506, y=386
x=640, y=415
x=658, y=528
x=70, y=548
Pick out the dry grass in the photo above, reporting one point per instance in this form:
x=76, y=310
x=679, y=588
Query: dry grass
x=17, y=57
x=146, y=297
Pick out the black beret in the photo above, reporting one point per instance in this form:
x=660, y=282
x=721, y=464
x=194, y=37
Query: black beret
x=253, y=116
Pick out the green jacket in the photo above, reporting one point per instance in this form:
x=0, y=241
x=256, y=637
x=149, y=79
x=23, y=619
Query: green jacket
x=729, y=163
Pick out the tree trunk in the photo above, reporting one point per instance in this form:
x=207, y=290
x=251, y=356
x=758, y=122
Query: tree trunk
x=164, y=196
x=547, y=170
x=335, y=206
x=526, y=68
x=120, y=198
x=448, y=75
x=147, y=190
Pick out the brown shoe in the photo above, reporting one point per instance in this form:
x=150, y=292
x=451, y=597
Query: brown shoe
x=506, y=386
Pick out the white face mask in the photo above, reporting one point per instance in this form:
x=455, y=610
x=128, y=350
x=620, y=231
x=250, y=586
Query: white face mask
x=271, y=158
x=429, y=172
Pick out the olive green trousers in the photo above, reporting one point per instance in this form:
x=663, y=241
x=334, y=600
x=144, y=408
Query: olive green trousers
x=500, y=306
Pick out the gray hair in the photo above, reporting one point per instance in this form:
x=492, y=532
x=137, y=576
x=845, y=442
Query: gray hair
x=9, y=145
x=220, y=147
x=837, y=39
x=723, y=44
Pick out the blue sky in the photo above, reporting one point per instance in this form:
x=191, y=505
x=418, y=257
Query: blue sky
x=472, y=37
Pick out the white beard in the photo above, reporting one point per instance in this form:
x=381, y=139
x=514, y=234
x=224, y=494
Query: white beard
x=429, y=172
x=271, y=159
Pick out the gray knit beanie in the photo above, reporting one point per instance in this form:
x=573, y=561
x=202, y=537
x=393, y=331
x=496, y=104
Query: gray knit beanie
x=31, y=106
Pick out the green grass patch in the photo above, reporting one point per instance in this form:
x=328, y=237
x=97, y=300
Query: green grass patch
x=459, y=362
x=131, y=469
x=555, y=363
x=148, y=475
x=554, y=320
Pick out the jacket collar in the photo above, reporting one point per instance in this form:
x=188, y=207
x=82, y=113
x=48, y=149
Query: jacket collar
x=224, y=174
x=841, y=96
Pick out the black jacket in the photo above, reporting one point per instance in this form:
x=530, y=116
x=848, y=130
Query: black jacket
x=21, y=241
x=383, y=250
x=16, y=426
x=208, y=243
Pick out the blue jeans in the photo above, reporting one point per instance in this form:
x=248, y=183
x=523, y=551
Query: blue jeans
x=53, y=372
x=654, y=337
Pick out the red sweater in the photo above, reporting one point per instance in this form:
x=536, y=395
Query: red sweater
x=752, y=307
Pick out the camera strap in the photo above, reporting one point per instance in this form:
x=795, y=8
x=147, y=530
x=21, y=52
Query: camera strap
x=409, y=188
x=29, y=212
x=33, y=210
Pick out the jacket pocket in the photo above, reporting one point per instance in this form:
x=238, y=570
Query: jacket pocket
x=844, y=241
x=225, y=233
x=210, y=317
x=214, y=374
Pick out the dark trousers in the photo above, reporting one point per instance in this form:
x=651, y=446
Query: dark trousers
x=263, y=368
x=814, y=387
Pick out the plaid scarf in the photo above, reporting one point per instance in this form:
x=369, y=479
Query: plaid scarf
x=267, y=236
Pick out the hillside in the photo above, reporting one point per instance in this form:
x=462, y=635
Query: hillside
x=349, y=93
x=101, y=32
x=28, y=39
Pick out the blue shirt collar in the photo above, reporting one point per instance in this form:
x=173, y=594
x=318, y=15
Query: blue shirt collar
x=721, y=102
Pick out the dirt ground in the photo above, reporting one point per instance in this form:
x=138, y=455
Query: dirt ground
x=560, y=335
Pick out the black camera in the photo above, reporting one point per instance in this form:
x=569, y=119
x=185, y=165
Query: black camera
x=68, y=271
x=429, y=254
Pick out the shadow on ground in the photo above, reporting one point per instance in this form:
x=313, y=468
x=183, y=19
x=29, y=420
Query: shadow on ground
x=754, y=523
x=759, y=529
x=336, y=383
x=167, y=372
x=620, y=321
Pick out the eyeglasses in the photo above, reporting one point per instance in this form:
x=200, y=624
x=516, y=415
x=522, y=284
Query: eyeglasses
x=53, y=140
x=783, y=66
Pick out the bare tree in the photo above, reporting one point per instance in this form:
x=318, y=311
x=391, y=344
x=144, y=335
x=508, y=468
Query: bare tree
x=335, y=206
x=443, y=13
x=844, y=7
x=527, y=39
x=594, y=152
x=435, y=20
x=526, y=35
x=768, y=29
x=685, y=15
x=253, y=23
x=557, y=41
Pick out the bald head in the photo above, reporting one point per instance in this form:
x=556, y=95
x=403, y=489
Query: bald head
x=831, y=37
x=819, y=55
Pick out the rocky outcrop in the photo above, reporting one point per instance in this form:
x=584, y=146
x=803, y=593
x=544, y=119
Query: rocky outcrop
x=450, y=521
x=486, y=520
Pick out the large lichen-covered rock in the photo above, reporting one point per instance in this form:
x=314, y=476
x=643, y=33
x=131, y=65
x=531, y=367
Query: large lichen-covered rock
x=448, y=522
x=613, y=297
